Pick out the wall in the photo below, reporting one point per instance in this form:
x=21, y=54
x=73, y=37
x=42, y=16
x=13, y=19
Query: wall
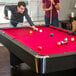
x=67, y=6
x=37, y=14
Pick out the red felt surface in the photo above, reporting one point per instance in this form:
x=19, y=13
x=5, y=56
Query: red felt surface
x=43, y=39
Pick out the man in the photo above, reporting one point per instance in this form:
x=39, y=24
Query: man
x=51, y=15
x=17, y=14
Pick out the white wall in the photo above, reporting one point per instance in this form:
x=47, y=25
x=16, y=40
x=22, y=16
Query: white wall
x=67, y=6
x=35, y=9
x=36, y=13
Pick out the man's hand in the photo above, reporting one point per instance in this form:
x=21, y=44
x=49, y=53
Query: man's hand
x=6, y=17
x=34, y=28
x=50, y=8
x=56, y=5
x=53, y=2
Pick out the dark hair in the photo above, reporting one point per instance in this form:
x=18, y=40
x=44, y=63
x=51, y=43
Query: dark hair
x=21, y=3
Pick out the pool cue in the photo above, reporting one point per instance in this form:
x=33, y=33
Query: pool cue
x=51, y=14
x=21, y=23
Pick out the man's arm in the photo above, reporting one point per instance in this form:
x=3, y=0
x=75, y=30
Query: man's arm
x=44, y=7
x=6, y=8
x=29, y=19
x=56, y=4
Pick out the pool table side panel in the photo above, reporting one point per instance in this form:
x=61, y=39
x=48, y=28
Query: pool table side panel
x=19, y=52
x=60, y=63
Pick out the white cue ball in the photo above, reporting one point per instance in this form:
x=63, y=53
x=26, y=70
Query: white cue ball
x=40, y=31
x=62, y=42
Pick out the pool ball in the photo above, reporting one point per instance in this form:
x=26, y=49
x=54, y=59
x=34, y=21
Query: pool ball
x=73, y=33
x=58, y=43
x=65, y=42
x=30, y=31
x=65, y=39
x=39, y=48
x=62, y=42
x=40, y=30
x=51, y=34
x=72, y=39
x=69, y=33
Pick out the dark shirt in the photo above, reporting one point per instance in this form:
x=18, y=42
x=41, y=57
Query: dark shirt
x=54, y=11
x=15, y=16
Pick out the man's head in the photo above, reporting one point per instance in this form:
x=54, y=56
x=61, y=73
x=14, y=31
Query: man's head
x=21, y=7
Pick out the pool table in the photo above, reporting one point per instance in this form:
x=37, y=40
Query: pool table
x=39, y=49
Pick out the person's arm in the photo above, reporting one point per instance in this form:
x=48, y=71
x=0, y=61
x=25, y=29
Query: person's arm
x=56, y=4
x=6, y=8
x=44, y=7
x=29, y=19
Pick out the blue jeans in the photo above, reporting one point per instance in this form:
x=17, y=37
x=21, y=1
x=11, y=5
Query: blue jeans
x=55, y=21
x=18, y=25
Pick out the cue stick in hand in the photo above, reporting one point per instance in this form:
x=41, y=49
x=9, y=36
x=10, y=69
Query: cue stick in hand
x=51, y=13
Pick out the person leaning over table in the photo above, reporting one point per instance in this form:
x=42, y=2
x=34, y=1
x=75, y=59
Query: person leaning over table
x=17, y=14
x=50, y=7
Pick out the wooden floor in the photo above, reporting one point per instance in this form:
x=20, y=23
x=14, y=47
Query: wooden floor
x=4, y=62
x=5, y=69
